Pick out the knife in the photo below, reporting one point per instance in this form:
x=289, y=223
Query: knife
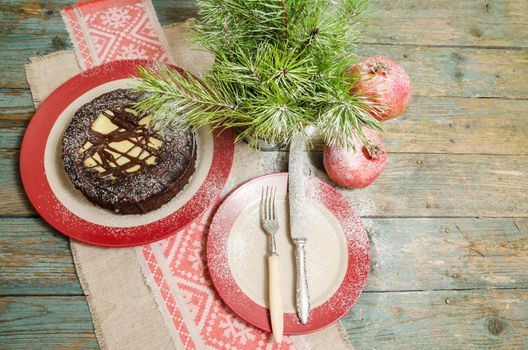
x=297, y=203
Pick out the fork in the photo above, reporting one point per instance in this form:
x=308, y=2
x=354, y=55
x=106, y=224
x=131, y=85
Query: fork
x=270, y=224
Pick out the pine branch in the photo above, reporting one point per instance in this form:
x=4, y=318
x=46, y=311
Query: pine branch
x=280, y=65
x=174, y=98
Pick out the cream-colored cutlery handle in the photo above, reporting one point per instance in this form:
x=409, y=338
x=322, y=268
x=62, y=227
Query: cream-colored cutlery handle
x=275, y=297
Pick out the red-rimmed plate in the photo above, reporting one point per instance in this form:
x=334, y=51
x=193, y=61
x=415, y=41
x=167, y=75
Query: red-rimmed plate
x=338, y=256
x=60, y=204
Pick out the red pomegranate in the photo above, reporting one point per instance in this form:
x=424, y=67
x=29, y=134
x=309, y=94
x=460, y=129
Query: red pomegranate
x=386, y=82
x=356, y=168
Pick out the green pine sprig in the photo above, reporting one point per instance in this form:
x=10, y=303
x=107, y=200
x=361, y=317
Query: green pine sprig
x=280, y=66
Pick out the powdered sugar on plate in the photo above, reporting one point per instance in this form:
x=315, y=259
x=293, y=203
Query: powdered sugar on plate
x=59, y=203
x=337, y=253
x=326, y=252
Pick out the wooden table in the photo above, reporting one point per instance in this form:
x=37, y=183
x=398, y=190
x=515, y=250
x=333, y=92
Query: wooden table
x=448, y=219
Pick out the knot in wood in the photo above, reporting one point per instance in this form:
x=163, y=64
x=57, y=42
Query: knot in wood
x=495, y=326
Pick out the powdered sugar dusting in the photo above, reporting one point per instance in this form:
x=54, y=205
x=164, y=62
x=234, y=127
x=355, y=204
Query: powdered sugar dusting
x=296, y=188
x=357, y=241
x=337, y=247
x=248, y=246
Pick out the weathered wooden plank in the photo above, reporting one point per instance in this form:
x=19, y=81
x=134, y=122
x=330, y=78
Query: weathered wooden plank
x=35, y=259
x=437, y=71
x=434, y=71
x=460, y=72
x=10, y=136
x=450, y=22
x=16, y=109
x=483, y=319
x=46, y=323
x=417, y=185
x=430, y=185
x=461, y=254
x=15, y=104
x=32, y=28
x=13, y=200
x=466, y=22
x=479, y=319
x=15, y=51
x=420, y=254
x=43, y=17
x=458, y=125
x=431, y=124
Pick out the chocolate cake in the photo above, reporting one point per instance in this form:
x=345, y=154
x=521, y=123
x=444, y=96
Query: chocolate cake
x=122, y=163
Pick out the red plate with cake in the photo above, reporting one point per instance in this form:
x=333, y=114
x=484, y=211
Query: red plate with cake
x=337, y=253
x=97, y=172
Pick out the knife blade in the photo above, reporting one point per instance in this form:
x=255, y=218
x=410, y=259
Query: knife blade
x=297, y=204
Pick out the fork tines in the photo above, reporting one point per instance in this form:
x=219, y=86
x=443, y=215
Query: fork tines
x=268, y=203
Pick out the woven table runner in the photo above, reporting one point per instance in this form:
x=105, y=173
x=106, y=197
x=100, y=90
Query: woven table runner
x=158, y=296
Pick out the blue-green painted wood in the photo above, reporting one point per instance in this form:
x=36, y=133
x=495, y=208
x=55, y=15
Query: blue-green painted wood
x=458, y=22
x=11, y=137
x=13, y=200
x=449, y=22
x=46, y=323
x=461, y=253
x=15, y=103
x=432, y=185
x=465, y=319
x=431, y=125
x=455, y=253
x=35, y=259
x=468, y=319
x=448, y=71
x=418, y=185
x=435, y=71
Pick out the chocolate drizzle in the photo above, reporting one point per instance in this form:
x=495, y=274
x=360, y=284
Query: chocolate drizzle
x=114, y=161
x=120, y=162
